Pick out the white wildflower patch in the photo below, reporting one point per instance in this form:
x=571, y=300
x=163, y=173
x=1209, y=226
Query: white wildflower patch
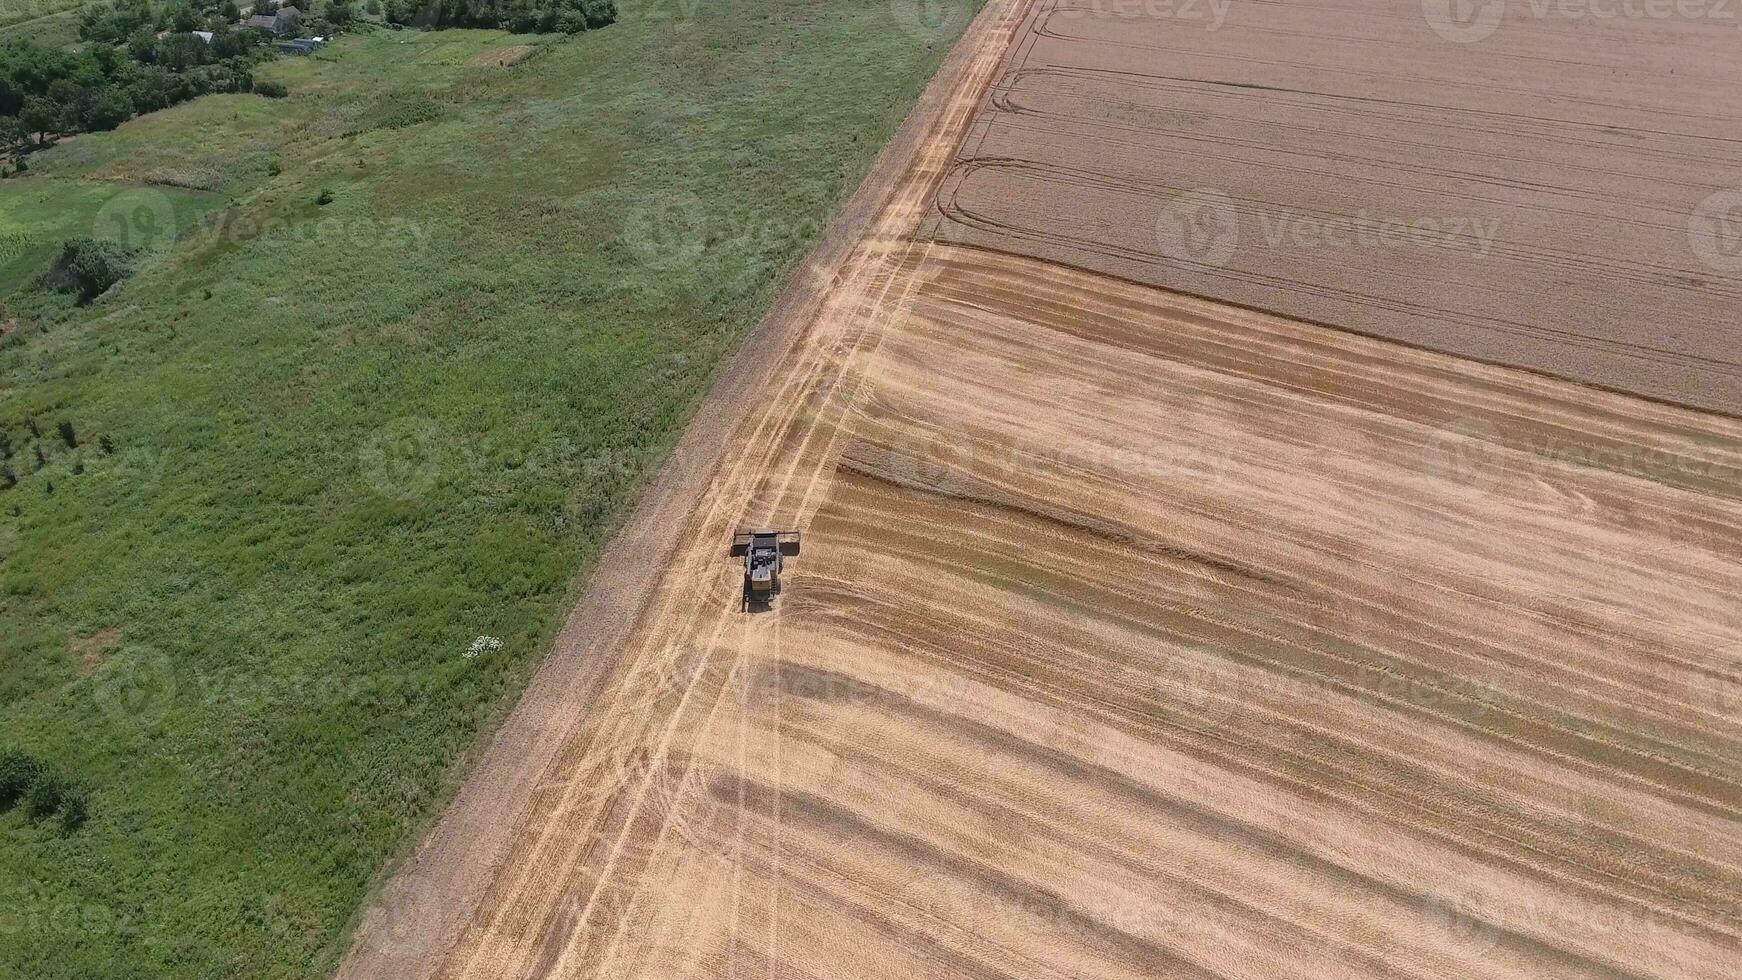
x=481, y=645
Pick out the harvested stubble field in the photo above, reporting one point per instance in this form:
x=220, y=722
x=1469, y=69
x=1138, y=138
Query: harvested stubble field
x=1523, y=198
x=1135, y=635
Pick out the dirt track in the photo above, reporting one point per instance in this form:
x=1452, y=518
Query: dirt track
x=1135, y=635
x=1525, y=198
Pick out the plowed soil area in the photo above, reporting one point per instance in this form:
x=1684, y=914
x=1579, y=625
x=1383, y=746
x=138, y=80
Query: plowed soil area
x=1542, y=195
x=1134, y=635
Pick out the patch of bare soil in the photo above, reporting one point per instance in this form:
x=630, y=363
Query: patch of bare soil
x=88, y=652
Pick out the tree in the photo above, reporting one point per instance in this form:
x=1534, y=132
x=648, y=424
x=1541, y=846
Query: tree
x=599, y=13
x=109, y=109
x=183, y=17
x=179, y=52
x=42, y=117
x=12, y=132
x=142, y=46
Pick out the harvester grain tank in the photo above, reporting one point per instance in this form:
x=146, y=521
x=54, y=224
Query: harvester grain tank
x=764, y=552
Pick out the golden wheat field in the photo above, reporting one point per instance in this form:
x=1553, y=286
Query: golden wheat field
x=1135, y=634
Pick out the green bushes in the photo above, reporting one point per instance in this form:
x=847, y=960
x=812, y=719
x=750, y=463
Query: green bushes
x=519, y=16
x=18, y=773
x=271, y=90
x=127, y=68
x=42, y=800
x=87, y=267
x=43, y=791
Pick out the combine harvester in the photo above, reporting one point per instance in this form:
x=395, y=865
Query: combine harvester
x=763, y=553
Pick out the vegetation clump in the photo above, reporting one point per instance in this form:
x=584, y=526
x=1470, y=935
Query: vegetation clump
x=88, y=267
x=125, y=69
x=42, y=790
x=518, y=16
x=18, y=772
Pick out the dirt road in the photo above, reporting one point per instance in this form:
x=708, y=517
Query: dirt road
x=1134, y=635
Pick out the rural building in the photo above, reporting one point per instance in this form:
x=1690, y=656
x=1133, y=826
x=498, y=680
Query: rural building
x=301, y=45
x=284, y=21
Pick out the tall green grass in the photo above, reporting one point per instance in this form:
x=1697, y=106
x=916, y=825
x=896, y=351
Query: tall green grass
x=322, y=449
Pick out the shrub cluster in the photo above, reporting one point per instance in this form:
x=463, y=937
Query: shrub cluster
x=87, y=267
x=47, y=91
x=43, y=791
x=519, y=16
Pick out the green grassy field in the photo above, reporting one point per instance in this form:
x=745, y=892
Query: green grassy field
x=52, y=30
x=345, y=441
x=16, y=12
x=36, y=215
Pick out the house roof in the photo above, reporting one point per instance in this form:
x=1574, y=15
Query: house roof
x=289, y=12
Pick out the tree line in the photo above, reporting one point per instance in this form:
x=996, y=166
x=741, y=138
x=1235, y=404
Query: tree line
x=142, y=55
x=127, y=69
x=518, y=16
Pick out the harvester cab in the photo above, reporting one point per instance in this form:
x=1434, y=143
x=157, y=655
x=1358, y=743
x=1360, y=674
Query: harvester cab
x=763, y=553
